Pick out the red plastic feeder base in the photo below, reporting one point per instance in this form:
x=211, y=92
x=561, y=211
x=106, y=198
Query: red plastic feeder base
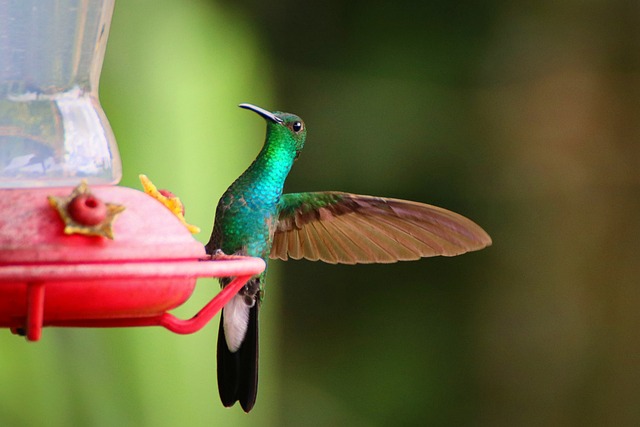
x=48, y=278
x=132, y=294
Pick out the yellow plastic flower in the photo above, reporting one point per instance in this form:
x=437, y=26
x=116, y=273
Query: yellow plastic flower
x=83, y=213
x=172, y=202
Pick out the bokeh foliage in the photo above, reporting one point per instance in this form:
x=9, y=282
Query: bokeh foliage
x=522, y=116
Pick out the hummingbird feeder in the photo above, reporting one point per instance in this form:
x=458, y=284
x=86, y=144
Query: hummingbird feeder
x=75, y=249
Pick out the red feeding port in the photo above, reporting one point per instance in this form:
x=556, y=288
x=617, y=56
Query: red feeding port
x=49, y=278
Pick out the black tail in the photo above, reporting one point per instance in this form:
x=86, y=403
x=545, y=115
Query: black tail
x=238, y=372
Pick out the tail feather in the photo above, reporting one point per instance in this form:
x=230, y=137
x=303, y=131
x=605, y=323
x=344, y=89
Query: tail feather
x=238, y=371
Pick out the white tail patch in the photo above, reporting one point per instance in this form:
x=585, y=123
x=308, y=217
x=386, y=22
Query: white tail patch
x=236, y=319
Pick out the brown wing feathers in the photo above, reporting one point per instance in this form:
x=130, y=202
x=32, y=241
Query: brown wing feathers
x=352, y=229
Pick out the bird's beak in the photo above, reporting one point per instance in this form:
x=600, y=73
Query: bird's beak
x=264, y=113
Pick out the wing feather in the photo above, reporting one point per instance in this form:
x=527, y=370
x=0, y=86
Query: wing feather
x=309, y=248
x=348, y=228
x=340, y=249
x=359, y=249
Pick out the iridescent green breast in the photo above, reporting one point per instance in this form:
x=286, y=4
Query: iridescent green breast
x=243, y=223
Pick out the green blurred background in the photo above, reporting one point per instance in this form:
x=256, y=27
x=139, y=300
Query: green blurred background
x=522, y=116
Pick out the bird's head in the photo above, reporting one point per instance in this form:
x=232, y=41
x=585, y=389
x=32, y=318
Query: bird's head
x=282, y=127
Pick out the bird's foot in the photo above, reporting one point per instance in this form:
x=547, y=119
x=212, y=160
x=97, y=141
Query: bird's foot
x=218, y=255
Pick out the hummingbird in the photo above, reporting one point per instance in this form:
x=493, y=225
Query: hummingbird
x=254, y=218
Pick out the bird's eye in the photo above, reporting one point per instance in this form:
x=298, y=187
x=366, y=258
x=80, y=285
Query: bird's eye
x=296, y=126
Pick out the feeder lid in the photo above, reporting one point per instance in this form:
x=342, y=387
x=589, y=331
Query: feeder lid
x=32, y=231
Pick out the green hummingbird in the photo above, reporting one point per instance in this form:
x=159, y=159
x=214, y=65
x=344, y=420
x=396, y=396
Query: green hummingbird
x=254, y=218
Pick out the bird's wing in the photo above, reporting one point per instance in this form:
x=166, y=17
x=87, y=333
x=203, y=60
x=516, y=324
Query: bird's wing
x=348, y=228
